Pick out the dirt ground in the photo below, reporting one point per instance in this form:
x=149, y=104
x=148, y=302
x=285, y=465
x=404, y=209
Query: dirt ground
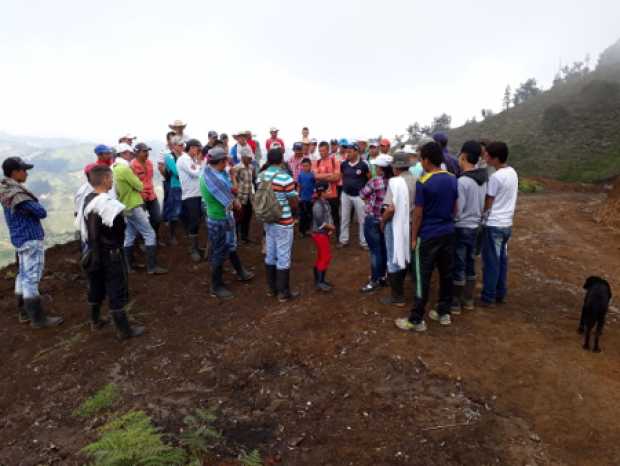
x=328, y=379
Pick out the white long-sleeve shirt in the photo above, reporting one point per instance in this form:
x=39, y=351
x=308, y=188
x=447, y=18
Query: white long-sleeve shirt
x=189, y=176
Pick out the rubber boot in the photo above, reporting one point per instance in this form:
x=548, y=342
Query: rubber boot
x=325, y=280
x=283, y=285
x=271, y=273
x=195, y=251
x=457, y=299
x=321, y=284
x=96, y=322
x=243, y=275
x=172, y=228
x=38, y=319
x=218, y=290
x=315, y=273
x=468, y=295
x=151, y=262
x=123, y=329
x=22, y=315
x=129, y=259
x=397, y=289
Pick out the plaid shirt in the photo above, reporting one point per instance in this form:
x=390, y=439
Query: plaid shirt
x=24, y=222
x=245, y=182
x=373, y=193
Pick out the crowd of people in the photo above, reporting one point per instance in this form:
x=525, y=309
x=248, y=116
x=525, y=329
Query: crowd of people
x=418, y=208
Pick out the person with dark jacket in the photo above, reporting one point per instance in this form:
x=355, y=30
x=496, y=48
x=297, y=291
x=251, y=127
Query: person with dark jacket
x=450, y=163
x=23, y=214
x=472, y=187
x=103, y=225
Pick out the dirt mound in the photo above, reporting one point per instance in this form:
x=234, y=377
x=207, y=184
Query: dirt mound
x=609, y=213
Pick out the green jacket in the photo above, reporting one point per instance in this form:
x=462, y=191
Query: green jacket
x=127, y=185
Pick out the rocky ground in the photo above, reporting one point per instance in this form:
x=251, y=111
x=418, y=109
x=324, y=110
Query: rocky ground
x=328, y=379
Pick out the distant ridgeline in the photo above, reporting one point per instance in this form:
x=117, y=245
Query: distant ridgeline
x=570, y=132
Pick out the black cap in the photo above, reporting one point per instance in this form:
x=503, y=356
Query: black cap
x=321, y=186
x=212, y=134
x=193, y=143
x=334, y=142
x=14, y=164
x=140, y=147
x=217, y=154
x=223, y=136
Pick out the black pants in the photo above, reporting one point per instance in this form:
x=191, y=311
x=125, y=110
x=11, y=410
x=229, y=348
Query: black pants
x=305, y=216
x=110, y=280
x=154, y=210
x=334, y=206
x=192, y=208
x=245, y=221
x=435, y=252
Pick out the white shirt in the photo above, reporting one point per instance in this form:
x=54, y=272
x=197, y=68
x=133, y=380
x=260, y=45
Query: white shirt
x=189, y=176
x=504, y=187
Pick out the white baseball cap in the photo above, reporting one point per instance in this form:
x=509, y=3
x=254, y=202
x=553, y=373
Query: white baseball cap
x=123, y=147
x=382, y=160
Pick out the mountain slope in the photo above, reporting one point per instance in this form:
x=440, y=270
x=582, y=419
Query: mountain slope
x=570, y=132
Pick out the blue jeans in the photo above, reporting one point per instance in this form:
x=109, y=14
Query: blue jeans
x=138, y=223
x=392, y=267
x=376, y=244
x=173, y=205
x=279, y=243
x=495, y=263
x=222, y=240
x=31, y=258
x=464, y=255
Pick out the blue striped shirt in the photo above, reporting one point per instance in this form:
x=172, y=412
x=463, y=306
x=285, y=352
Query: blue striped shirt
x=24, y=222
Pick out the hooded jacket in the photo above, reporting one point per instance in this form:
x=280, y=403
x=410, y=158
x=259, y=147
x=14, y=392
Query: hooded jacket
x=472, y=187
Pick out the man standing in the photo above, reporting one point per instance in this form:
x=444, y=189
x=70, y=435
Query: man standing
x=189, y=166
x=216, y=189
x=384, y=146
x=143, y=168
x=178, y=126
x=104, y=157
x=23, y=214
x=294, y=164
x=333, y=146
x=274, y=138
x=305, y=133
x=312, y=154
x=127, y=139
x=173, y=203
x=373, y=152
x=242, y=141
x=449, y=161
x=211, y=141
x=355, y=173
x=128, y=191
x=244, y=176
x=326, y=169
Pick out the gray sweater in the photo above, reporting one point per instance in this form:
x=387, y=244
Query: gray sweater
x=321, y=216
x=472, y=188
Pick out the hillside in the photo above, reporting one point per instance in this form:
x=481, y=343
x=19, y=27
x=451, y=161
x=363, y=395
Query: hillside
x=570, y=132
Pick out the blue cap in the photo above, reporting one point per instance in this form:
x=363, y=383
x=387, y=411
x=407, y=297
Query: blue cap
x=298, y=146
x=103, y=149
x=343, y=142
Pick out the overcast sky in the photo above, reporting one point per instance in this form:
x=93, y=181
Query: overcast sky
x=94, y=70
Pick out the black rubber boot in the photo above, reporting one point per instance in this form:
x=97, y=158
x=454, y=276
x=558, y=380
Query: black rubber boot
x=321, y=285
x=218, y=290
x=38, y=319
x=195, y=251
x=283, y=285
x=22, y=315
x=151, y=262
x=325, y=279
x=397, y=289
x=315, y=272
x=271, y=273
x=123, y=329
x=243, y=275
x=457, y=299
x=172, y=228
x=128, y=252
x=468, y=295
x=96, y=322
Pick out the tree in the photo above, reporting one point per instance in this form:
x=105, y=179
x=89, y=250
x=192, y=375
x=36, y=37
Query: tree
x=577, y=70
x=527, y=89
x=507, y=97
x=486, y=113
x=440, y=123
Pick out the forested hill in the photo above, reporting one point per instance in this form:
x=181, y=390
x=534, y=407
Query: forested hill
x=570, y=132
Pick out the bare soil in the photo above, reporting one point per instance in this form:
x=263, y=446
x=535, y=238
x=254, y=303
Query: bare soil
x=328, y=379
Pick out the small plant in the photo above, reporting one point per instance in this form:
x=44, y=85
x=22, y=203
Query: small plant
x=132, y=440
x=251, y=459
x=103, y=399
x=530, y=186
x=200, y=434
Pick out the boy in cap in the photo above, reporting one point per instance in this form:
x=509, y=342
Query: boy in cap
x=305, y=182
x=472, y=187
x=189, y=167
x=23, y=214
x=432, y=238
x=216, y=191
x=103, y=230
x=322, y=228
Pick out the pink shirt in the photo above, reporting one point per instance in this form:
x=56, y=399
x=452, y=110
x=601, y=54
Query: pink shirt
x=145, y=173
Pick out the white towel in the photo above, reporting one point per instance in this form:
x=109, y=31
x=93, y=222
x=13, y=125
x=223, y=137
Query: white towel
x=80, y=195
x=400, y=222
x=104, y=206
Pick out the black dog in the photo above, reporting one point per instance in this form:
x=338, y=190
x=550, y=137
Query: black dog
x=594, y=311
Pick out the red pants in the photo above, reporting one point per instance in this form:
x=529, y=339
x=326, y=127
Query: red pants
x=323, y=252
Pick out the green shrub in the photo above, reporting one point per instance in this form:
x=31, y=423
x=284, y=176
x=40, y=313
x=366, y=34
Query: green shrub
x=103, y=399
x=530, y=186
x=132, y=440
x=200, y=434
x=251, y=459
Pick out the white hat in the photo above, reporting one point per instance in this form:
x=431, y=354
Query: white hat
x=273, y=129
x=123, y=147
x=129, y=136
x=177, y=124
x=410, y=149
x=382, y=160
x=246, y=152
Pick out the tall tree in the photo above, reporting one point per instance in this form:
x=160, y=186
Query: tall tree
x=527, y=89
x=441, y=123
x=507, y=97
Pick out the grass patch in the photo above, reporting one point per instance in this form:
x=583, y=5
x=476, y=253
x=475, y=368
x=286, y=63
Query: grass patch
x=103, y=399
x=530, y=186
x=132, y=439
x=251, y=459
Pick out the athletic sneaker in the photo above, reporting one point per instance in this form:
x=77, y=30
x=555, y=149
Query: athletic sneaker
x=406, y=324
x=443, y=320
